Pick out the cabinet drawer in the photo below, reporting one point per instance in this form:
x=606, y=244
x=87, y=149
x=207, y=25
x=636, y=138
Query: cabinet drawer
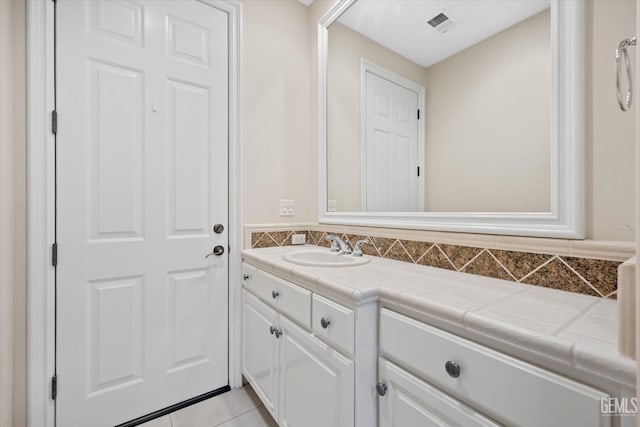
x=289, y=299
x=340, y=330
x=294, y=302
x=410, y=402
x=505, y=388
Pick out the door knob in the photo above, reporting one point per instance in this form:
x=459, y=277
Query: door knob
x=381, y=388
x=217, y=251
x=218, y=228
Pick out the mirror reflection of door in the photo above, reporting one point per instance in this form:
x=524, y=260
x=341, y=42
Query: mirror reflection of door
x=392, y=145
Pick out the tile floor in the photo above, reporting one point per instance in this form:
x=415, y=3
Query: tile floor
x=236, y=408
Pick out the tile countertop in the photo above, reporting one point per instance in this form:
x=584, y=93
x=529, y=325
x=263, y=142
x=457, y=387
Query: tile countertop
x=570, y=333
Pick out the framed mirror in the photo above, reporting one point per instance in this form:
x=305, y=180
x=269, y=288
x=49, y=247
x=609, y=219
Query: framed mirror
x=453, y=115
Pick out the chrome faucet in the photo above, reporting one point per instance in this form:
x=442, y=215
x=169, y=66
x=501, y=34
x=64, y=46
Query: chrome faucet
x=339, y=245
x=357, y=249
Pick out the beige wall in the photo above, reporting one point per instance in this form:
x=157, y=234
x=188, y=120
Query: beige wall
x=12, y=213
x=487, y=121
x=488, y=115
x=279, y=155
x=346, y=49
x=610, y=133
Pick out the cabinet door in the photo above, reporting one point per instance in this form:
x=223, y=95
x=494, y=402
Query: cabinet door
x=260, y=350
x=316, y=382
x=410, y=402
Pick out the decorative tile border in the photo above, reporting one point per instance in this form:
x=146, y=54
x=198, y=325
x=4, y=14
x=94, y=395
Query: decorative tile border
x=596, y=277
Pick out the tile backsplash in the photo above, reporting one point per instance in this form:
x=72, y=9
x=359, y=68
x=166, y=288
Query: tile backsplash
x=591, y=276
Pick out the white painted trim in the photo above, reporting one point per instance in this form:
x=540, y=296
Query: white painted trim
x=637, y=205
x=567, y=216
x=40, y=213
x=234, y=8
x=367, y=66
x=41, y=204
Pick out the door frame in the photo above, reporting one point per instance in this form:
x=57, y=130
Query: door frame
x=367, y=66
x=41, y=204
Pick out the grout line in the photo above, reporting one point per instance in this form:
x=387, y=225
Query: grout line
x=234, y=417
x=580, y=276
x=446, y=256
x=573, y=319
x=535, y=270
x=424, y=254
x=472, y=259
x=487, y=305
x=389, y=248
x=407, y=252
x=612, y=293
x=501, y=265
x=375, y=247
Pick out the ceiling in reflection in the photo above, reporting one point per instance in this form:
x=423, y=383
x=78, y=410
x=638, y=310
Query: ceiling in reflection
x=403, y=25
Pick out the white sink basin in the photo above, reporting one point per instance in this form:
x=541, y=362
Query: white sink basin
x=324, y=259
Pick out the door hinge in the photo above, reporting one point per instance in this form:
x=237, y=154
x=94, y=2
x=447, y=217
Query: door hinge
x=54, y=255
x=54, y=387
x=54, y=121
x=418, y=170
x=418, y=114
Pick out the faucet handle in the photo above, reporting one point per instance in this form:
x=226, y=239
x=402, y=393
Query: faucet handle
x=357, y=248
x=334, y=242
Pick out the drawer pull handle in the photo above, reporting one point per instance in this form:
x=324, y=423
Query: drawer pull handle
x=246, y=277
x=452, y=368
x=324, y=322
x=381, y=389
x=275, y=294
x=275, y=331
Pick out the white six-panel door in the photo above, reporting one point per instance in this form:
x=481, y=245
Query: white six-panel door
x=391, y=145
x=142, y=105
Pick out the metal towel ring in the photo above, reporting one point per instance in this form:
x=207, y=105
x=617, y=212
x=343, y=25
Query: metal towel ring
x=621, y=52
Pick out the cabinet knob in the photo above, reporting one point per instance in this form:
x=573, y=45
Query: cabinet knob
x=246, y=277
x=272, y=329
x=275, y=294
x=452, y=368
x=325, y=322
x=381, y=388
x=277, y=332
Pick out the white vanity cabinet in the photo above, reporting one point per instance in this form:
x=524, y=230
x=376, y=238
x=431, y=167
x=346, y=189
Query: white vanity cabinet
x=301, y=379
x=461, y=375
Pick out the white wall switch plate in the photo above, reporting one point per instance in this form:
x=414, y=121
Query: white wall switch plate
x=332, y=205
x=298, y=239
x=287, y=207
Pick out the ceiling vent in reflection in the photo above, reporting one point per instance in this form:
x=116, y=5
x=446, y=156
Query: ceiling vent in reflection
x=443, y=21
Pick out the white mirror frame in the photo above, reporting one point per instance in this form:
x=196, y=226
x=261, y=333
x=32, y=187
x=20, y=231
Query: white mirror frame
x=567, y=216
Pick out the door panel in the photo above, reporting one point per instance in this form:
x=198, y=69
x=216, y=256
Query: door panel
x=115, y=344
x=142, y=150
x=316, y=383
x=260, y=350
